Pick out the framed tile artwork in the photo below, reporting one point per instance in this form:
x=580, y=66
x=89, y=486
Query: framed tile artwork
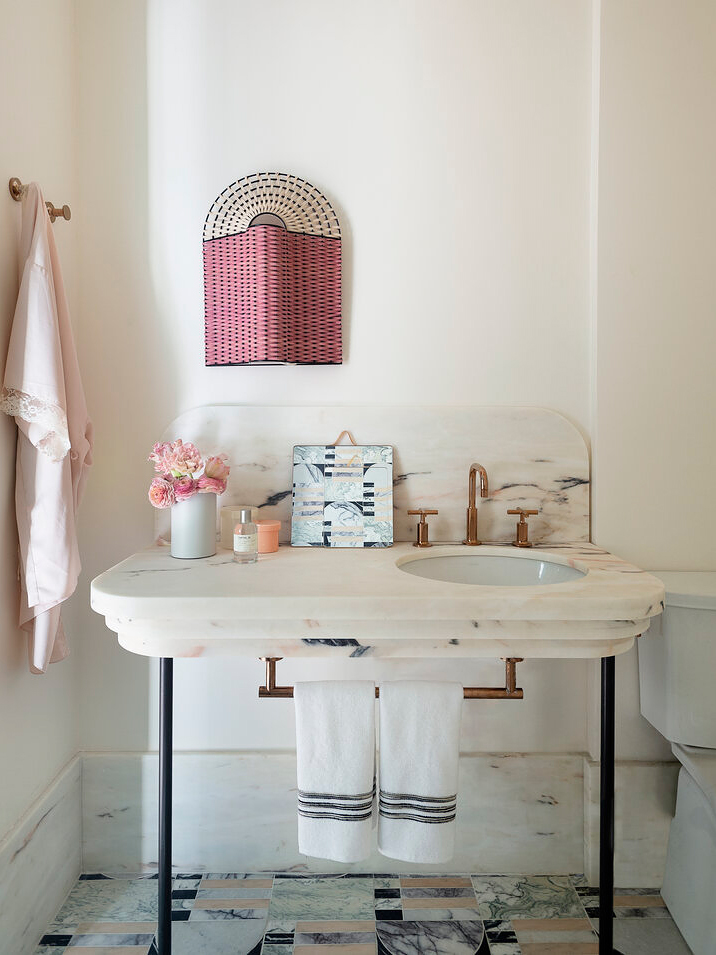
x=342, y=496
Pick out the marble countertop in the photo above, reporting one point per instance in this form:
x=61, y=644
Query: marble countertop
x=355, y=602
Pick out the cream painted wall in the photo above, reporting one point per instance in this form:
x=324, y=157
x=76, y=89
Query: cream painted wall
x=454, y=140
x=37, y=117
x=654, y=450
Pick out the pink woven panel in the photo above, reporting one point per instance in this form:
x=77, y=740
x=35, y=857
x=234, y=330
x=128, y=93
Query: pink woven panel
x=272, y=296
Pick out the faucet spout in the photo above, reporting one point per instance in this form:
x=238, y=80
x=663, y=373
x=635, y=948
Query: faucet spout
x=475, y=469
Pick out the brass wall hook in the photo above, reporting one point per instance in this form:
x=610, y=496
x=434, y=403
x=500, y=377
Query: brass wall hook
x=17, y=191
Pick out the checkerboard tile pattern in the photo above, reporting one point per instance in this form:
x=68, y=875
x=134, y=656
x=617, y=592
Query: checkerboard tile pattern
x=235, y=913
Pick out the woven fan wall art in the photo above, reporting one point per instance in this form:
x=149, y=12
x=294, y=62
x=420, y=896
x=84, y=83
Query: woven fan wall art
x=272, y=274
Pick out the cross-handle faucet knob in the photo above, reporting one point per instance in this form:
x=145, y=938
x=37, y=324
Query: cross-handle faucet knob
x=422, y=526
x=522, y=528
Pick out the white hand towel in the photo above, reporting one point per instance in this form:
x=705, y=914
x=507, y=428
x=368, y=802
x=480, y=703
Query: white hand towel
x=419, y=752
x=335, y=750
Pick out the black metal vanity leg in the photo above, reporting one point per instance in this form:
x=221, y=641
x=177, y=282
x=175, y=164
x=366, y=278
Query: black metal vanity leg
x=166, y=699
x=606, y=813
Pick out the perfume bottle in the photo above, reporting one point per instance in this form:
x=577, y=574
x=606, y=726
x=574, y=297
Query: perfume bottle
x=246, y=538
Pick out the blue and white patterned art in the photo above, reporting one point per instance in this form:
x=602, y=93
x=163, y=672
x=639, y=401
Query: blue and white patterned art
x=342, y=496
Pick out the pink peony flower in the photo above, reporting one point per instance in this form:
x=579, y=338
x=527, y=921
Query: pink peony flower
x=177, y=458
x=184, y=488
x=217, y=467
x=158, y=456
x=210, y=485
x=161, y=493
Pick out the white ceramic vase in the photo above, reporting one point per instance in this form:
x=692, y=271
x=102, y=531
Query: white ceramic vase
x=194, y=527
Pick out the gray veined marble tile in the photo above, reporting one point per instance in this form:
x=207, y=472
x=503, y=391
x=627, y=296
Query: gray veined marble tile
x=431, y=938
x=322, y=899
x=226, y=913
x=537, y=896
x=216, y=938
x=238, y=875
x=442, y=914
x=111, y=900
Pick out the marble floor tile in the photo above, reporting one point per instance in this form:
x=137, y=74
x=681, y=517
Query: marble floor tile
x=471, y=914
x=435, y=938
x=628, y=903
x=537, y=896
x=322, y=899
x=648, y=937
x=125, y=900
x=217, y=938
x=433, y=892
x=386, y=882
x=501, y=937
x=220, y=909
x=436, y=882
x=228, y=891
x=55, y=940
x=554, y=931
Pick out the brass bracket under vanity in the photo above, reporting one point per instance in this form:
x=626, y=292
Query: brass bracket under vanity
x=510, y=691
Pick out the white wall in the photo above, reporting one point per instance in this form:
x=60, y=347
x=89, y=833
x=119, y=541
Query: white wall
x=37, y=118
x=654, y=448
x=454, y=140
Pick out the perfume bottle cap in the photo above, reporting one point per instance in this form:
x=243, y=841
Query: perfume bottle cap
x=245, y=515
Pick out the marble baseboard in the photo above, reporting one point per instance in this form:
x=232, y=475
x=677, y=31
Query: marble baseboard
x=517, y=814
x=645, y=801
x=40, y=862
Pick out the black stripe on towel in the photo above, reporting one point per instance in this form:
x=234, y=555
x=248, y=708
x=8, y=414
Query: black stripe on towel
x=343, y=807
x=432, y=810
x=331, y=815
x=406, y=815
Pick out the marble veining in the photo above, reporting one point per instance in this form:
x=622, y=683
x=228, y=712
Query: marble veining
x=316, y=601
x=534, y=457
x=403, y=933
x=432, y=938
x=540, y=896
x=40, y=861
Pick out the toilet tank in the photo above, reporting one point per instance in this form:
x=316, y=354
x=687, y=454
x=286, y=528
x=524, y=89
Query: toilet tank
x=677, y=661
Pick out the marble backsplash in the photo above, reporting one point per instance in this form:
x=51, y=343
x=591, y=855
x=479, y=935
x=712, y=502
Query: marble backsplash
x=534, y=459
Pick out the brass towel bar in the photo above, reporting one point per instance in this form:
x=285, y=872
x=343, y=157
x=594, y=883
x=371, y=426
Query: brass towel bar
x=510, y=691
x=17, y=191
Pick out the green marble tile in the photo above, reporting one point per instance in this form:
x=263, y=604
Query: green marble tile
x=322, y=899
x=527, y=897
x=109, y=900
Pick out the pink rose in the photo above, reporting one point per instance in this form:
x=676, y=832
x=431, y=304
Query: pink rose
x=184, y=488
x=210, y=485
x=217, y=467
x=161, y=493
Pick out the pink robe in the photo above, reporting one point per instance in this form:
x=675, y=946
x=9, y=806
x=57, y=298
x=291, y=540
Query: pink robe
x=42, y=389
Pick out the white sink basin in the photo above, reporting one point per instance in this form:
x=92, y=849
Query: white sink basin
x=491, y=570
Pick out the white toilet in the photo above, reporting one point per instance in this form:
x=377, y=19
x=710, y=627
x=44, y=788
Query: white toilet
x=677, y=681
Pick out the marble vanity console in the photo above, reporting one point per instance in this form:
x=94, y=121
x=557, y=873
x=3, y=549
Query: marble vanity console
x=353, y=602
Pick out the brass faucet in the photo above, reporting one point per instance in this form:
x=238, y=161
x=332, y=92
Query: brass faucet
x=472, y=538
